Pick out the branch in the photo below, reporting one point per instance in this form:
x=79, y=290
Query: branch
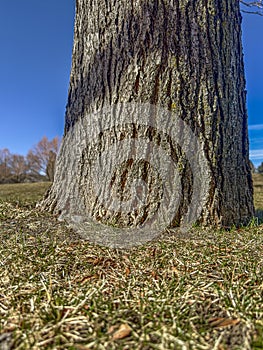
x=258, y=4
x=253, y=12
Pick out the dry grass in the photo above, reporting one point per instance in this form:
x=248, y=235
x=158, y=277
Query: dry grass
x=60, y=292
x=258, y=194
x=27, y=193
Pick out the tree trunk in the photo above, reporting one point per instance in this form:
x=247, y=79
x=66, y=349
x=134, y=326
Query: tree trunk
x=51, y=165
x=156, y=122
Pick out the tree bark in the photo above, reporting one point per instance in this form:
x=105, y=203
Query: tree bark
x=168, y=74
x=51, y=165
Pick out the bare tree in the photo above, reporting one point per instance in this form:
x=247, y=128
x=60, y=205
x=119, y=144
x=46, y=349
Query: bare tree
x=18, y=167
x=34, y=163
x=252, y=167
x=38, y=157
x=5, y=157
x=50, y=170
x=260, y=168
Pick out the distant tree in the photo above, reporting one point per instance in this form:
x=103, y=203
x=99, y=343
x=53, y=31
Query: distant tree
x=18, y=167
x=252, y=167
x=260, y=168
x=39, y=156
x=34, y=164
x=50, y=170
x=5, y=156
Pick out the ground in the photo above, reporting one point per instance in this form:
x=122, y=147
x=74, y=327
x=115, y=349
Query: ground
x=60, y=292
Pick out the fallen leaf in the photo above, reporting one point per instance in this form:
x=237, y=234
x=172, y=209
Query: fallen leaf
x=153, y=252
x=220, y=322
x=82, y=347
x=94, y=261
x=175, y=270
x=154, y=274
x=112, y=329
x=215, y=321
x=87, y=278
x=123, y=332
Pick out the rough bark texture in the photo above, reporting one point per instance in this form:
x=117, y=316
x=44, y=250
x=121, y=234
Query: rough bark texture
x=183, y=56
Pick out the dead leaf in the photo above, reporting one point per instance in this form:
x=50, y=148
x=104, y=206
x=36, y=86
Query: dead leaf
x=112, y=329
x=175, y=270
x=123, y=332
x=94, y=261
x=87, y=278
x=152, y=252
x=220, y=322
x=154, y=274
x=127, y=271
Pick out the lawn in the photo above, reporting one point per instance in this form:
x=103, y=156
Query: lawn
x=258, y=194
x=58, y=291
x=26, y=193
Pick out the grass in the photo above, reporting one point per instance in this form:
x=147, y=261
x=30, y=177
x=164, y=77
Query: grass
x=258, y=195
x=25, y=193
x=58, y=291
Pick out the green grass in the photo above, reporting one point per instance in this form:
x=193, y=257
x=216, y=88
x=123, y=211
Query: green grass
x=58, y=291
x=28, y=193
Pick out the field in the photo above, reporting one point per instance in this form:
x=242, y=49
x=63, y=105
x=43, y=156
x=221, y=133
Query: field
x=58, y=291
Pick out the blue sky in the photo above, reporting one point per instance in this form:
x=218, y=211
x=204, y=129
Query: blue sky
x=253, y=56
x=36, y=42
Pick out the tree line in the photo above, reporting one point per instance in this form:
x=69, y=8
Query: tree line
x=37, y=165
x=259, y=169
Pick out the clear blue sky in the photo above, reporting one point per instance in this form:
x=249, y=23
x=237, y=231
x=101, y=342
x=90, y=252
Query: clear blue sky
x=36, y=42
